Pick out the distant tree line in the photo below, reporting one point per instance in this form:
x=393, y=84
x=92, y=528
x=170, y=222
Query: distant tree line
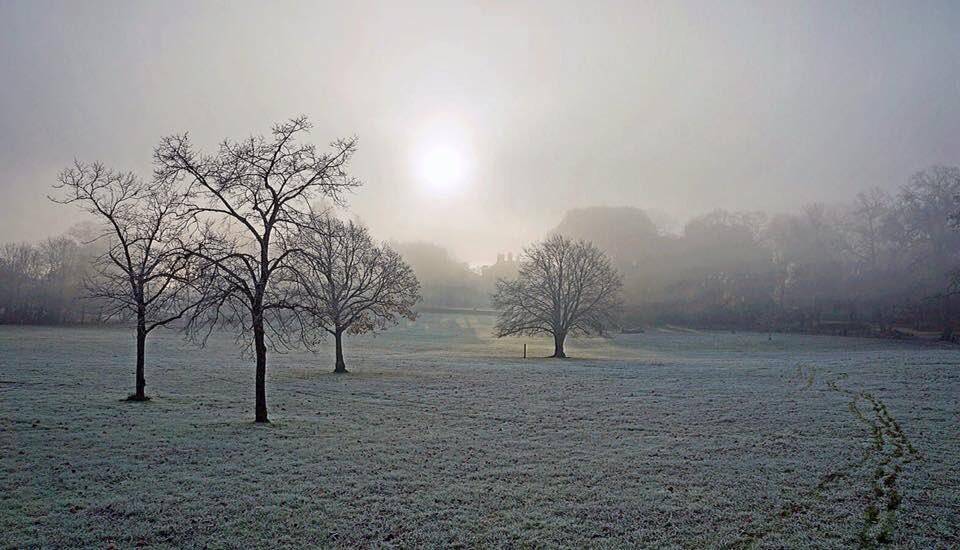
x=886, y=263
x=43, y=283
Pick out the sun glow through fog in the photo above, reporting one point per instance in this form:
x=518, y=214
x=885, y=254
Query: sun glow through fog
x=442, y=168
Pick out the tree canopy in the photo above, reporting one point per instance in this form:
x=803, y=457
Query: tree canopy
x=564, y=287
x=349, y=283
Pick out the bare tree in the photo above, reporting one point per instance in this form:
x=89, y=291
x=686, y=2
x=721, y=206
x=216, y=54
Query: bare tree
x=564, y=287
x=864, y=222
x=927, y=204
x=144, y=272
x=248, y=201
x=351, y=284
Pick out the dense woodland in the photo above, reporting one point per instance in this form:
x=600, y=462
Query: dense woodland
x=44, y=283
x=885, y=263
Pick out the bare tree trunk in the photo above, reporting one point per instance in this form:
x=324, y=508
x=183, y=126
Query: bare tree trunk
x=558, y=339
x=260, y=344
x=140, y=394
x=341, y=365
x=947, y=333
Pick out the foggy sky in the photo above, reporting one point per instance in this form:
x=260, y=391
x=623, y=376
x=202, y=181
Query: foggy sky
x=678, y=107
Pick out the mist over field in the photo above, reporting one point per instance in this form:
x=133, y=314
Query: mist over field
x=483, y=274
x=680, y=108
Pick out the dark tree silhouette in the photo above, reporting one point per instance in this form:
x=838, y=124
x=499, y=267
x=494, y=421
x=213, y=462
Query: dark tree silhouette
x=565, y=287
x=144, y=272
x=248, y=202
x=864, y=224
x=351, y=284
x=927, y=204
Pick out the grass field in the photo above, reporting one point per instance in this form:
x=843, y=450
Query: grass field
x=444, y=436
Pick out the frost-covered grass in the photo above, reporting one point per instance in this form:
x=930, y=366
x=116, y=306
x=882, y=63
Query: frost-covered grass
x=442, y=436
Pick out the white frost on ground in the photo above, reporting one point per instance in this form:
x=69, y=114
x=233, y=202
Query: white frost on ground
x=443, y=436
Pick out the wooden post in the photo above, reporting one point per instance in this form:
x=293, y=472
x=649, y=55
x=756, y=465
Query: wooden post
x=524, y=351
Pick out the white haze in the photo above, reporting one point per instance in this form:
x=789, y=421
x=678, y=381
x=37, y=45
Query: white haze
x=677, y=107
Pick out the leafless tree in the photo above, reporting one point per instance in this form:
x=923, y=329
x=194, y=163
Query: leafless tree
x=351, y=284
x=565, y=287
x=248, y=201
x=144, y=273
x=927, y=204
x=864, y=223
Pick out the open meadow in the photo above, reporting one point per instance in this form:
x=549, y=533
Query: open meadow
x=441, y=435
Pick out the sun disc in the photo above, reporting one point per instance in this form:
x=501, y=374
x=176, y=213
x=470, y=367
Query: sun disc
x=442, y=168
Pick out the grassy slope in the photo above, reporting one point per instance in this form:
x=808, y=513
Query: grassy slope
x=443, y=436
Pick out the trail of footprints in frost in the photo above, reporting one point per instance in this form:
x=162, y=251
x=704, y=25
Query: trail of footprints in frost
x=890, y=450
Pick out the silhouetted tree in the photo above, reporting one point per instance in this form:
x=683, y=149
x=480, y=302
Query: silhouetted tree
x=248, y=201
x=564, y=287
x=144, y=272
x=927, y=204
x=865, y=223
x=351, y=284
